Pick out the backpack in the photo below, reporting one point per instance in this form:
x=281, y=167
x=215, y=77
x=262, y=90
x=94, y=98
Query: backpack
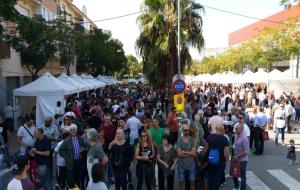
x=214, y=156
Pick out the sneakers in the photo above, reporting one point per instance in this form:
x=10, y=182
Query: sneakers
x=293, y=162
x=130, y=186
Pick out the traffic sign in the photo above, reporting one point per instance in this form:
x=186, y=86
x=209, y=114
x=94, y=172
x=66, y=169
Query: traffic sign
x=179, y=102
x=179, y=86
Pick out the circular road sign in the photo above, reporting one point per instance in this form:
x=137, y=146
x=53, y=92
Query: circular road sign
x=179, y=86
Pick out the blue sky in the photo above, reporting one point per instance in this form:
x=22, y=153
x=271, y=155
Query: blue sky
x=216, y=27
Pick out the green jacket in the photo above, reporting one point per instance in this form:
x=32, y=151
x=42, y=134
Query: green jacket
x=67, y=151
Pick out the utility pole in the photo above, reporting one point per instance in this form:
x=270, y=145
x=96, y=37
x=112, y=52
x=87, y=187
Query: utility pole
x=297, y=66
x=178, y=53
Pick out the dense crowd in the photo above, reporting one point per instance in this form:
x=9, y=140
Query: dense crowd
x=105, y=136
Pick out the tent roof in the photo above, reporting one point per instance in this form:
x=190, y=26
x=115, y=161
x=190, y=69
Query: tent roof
x=99, y=83
x=68, y=80
x=45, y=85
x=79, y=80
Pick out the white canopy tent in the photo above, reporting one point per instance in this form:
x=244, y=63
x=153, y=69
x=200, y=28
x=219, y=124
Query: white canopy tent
x=98, y=83
x=45, y=85
x=104, y=80
x=277, y=75
x=68, y=80
x=79, y=80
x=48, y=91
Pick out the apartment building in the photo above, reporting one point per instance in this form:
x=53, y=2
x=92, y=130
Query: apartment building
x=12, y=73
x=238, y=37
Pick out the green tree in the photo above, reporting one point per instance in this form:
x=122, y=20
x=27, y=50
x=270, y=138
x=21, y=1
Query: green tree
x=66, y=35
x=35, y=42
x=133, y=66
x=8, y=13
x=98, y=53
x=157, y=43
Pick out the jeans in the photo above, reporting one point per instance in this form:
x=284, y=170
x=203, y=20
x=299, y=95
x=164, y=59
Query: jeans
x=1, y=180
x=289, y=129
x=277, y=131
x=215, y=177
x=61, y=176
x=243, y=176
x=45, y=176
x=241, y=102
x=251, y=137
x=109, y=168
x=297, y=119
x=144, y=172
x=120, y=176
x=76, y=174
x=258, y=141
x=261, y=103
x=161, y=180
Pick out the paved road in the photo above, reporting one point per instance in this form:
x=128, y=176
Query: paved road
x=270, y=171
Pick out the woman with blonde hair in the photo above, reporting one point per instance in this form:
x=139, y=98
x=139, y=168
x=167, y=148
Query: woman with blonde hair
x=144, y=154
x=121, y=158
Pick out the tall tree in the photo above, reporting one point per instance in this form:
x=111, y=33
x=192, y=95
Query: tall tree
x=8, y=13
x=35, y=42
x=157, y=43
x=66, y=34
x=133, y=66
x=98, y=53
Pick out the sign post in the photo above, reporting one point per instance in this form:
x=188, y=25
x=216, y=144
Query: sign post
x=179, y=102
x=179, y=86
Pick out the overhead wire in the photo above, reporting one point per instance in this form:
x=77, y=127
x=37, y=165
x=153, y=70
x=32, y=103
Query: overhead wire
x=209, y=7
x=242, y=15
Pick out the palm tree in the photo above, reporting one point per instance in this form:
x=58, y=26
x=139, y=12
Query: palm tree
x=157, y=43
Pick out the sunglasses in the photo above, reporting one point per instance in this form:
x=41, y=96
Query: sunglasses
x=241, y=118
x=186, y=130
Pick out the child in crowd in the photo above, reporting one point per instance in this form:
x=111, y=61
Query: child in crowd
x=291, y=152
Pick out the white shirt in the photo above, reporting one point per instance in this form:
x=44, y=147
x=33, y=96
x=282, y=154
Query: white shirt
x=59, y=111
x=261, y=96
x=214, y=122
x=8, y=111
x=66, y=127
x=115, y=108
x=279, y=123
x=230, y=106
x=70, y=113
x=289, y=109
x=134, y=124
x=26, y=138
x=241, y=94
x=246, y=130
x=92, y=186
x=14, y=184
x=59, y=160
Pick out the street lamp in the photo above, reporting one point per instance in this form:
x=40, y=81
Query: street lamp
x=178, y=52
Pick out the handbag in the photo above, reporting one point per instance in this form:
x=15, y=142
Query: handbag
x=265, y=135
x=235, y=169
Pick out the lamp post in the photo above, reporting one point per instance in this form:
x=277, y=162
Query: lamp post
x=178, y=52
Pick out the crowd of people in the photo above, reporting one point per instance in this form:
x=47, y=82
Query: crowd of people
x=105, y=136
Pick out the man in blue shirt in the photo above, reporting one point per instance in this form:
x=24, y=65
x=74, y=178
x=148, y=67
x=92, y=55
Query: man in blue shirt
x=260, y=123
